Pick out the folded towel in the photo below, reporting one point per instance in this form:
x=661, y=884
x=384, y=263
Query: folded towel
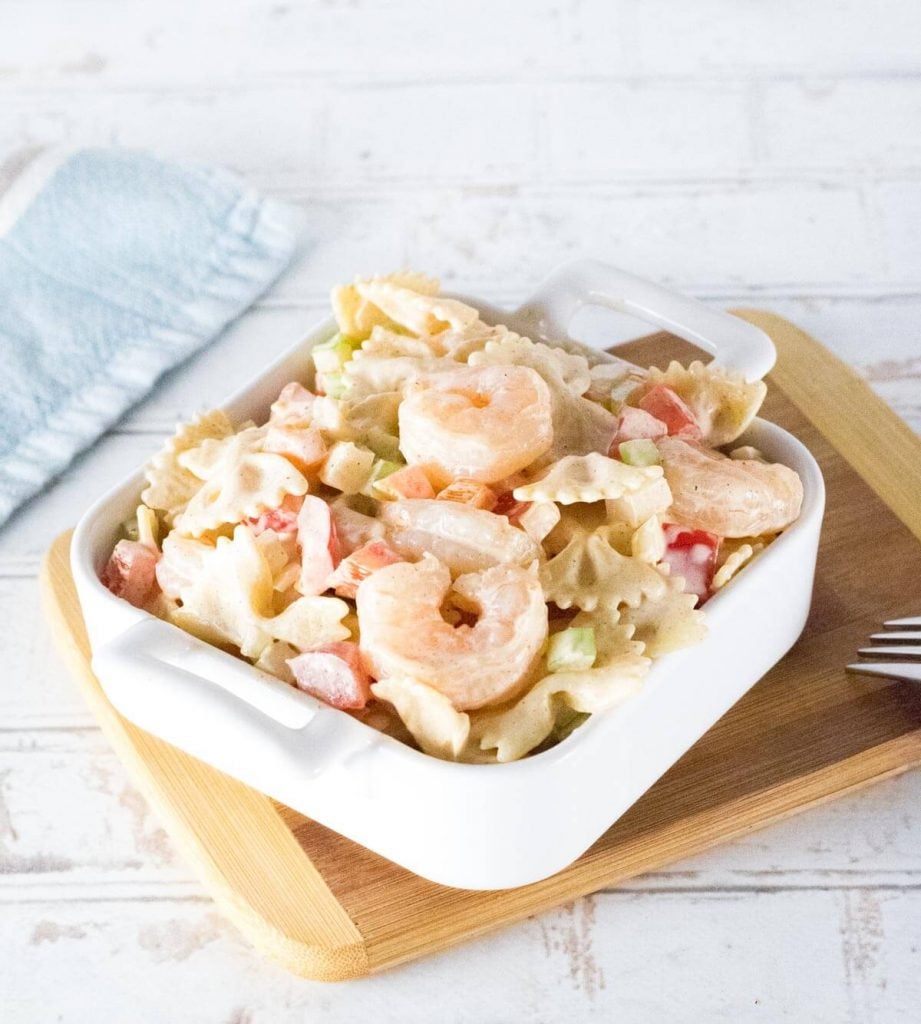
x=114, y=266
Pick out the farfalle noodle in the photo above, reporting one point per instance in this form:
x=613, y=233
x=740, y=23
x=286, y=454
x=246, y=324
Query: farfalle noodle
x=170, y=485
x=415, y=311
x=357, y=316
x=436, y=725
x=587, y=478
x=230, y=602
x=667, y=621
x=734, y=556
x=238, y=482
x=723, y=403
x=590, y=572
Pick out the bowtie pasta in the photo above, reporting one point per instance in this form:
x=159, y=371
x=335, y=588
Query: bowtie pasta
x=466, y=538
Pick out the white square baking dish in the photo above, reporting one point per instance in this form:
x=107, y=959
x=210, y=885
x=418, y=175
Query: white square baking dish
x=465, y=825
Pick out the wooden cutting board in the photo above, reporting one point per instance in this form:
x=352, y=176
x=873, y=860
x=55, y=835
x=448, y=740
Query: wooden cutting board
x=326, y=908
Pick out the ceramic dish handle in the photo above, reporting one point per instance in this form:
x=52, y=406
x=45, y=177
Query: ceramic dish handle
x=734, y=343
x=175, y=673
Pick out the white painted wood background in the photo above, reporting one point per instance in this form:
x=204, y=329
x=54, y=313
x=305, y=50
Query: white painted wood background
x=758, y=153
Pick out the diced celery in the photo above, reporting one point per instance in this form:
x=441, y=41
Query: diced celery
x=384, y=445
x=332, y=355
x=571, y=650
x=335, y=341
x=347, y=467
x=639, y=452
x=382, y=468
x=385, y=467
x=334, y=384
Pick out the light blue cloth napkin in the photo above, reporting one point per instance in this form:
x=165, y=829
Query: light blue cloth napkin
x=114, y=266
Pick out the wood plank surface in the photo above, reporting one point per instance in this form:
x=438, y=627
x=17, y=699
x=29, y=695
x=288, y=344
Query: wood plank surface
x=805, y=733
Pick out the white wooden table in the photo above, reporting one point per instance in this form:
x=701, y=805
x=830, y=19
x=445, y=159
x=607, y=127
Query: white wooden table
x=759, y=154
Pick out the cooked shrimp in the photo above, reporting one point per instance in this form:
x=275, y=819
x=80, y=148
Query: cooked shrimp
x=403, y=632
x=479, y=423
x=465, y=538
x=728, y=497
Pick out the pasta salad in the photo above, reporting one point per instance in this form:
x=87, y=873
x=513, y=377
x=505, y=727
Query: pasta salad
x=468, y=539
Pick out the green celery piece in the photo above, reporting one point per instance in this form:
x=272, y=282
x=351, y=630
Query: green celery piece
x=385, y=446
x=379, y=471
x=572, y=650
x=335, y=385
x=332, y=355
x=639, y=452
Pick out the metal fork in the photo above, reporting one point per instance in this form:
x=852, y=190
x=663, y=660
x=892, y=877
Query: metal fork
x=900, y=646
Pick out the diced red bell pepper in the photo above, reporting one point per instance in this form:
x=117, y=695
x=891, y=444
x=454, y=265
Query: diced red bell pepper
x=359, y=565
x=665, y=405
x=634, y=424
x=507, y=505
x=282, y=520
x=316, y=537
x=131, y=571
x=408, y=482
x=691, y=554
x=334, y=674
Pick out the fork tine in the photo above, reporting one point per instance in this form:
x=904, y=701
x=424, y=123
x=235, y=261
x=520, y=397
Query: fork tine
x=895, y=651
x=904, y=671
x=897, y=635
x=897, y=623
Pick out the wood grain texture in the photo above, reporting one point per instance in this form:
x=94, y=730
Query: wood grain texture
x=804, y=734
